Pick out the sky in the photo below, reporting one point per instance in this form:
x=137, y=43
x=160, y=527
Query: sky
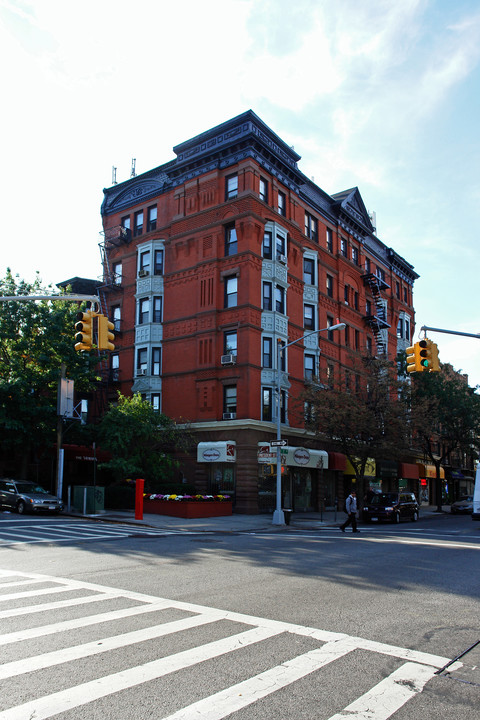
x=377, y=94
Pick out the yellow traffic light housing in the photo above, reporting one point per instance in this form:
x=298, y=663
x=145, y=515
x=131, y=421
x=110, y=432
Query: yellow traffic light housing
x=425, y=354
x=84, y=331
x=413, y=359
x=435, y=367
x=105, y=333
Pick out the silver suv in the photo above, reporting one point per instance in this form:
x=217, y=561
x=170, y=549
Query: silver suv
x=24, y=496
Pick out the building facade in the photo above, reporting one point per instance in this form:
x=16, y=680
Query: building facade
x=214, y=260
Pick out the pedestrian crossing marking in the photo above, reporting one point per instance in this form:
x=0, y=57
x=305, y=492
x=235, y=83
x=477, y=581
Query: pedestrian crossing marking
x=68, y=531
x=378, y=703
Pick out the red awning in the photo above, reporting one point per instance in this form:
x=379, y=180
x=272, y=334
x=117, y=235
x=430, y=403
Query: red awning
x=409, y=471
x=337, y=461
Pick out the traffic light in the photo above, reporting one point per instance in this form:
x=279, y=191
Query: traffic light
x=425, y=354
x=413, y=359
x=435, y=361
x=105, y=333
x=84, y=328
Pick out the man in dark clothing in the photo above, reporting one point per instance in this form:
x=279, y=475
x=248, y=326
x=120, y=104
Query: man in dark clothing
x=351, y=510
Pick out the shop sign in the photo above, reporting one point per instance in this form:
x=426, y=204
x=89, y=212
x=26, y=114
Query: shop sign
x=217, y=451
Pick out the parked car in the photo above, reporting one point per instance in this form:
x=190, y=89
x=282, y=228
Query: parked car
x=392, y=507
x=464, y=504
x=24, y=497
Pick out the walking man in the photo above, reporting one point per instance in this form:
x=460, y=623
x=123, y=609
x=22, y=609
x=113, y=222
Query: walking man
x=351, y=510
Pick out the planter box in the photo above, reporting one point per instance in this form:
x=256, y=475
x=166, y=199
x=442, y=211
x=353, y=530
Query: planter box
x=188, y=509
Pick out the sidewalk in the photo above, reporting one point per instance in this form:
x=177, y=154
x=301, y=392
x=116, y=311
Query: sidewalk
x=238, y=523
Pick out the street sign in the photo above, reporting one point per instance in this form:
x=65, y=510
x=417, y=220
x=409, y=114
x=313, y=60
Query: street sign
x=278, y=443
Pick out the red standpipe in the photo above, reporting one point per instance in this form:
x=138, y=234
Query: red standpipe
x=139, y=484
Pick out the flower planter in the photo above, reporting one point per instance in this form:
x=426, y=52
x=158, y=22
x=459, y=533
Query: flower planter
x=188, y=509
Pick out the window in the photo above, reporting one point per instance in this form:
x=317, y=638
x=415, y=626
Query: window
x=329, y=286
x=142, y=361
x=155, y=400
x=311, y=227
x=117, y=273
x=309, y=271
x=263, y=190
x=125, y=222
x=138, y=229
x=381, y=274
x=369, y=345
x=397, y=289
x=368, y=308
x=157, y=309
x=267, y=414
x=357, y=340
x=230, y=399
x=280, y=245
x=329, y=240
x=309, y=317
x=283, y=406
x=355, y=255
x=156, y=361
x=144, y=263
x=230, y=342
x=400, y=328
x=267, y=359
x=280, y=299
x=407, y=329
x=231, y=187
x=329, y=325
x=330, y=374
x=143, y=311
x=367, y=265
x=230, y=240
x=282, y=203
x=309, y=367
x=158, y=262
x=343, y=247
x=283, y=359
x=346, y=291
x=231, y=291
x=347, y=336
x=405, y=295
x=152, y=218
x=355, y=300
x=267, y=245
x=267, y=296
x=114, y=367
x=117, y=318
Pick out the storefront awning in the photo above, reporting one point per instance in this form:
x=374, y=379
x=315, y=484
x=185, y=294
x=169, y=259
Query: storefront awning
x=219, y=452
x=408, y=471
x=370, y=468
x=337, y=461
x=429, y=471
x=293, y=456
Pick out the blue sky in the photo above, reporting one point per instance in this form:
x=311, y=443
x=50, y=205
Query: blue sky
x=379, y=94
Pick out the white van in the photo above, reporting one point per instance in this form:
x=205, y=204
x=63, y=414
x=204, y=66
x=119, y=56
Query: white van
x=476, y=496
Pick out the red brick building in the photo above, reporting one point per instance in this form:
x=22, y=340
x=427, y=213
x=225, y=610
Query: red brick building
x=212, y=259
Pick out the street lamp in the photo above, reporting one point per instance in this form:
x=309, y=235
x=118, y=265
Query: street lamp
x=278, y=515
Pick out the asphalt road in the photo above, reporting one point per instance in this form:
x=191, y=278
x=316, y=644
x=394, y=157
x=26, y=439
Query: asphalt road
x=302, y=624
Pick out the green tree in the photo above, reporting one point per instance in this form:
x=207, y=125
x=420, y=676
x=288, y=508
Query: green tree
x=361, y=412
x=141, y=440
x=36, y=337
x=445, y=417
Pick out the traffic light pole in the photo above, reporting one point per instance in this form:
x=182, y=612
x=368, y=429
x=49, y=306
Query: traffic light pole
x=449, y=332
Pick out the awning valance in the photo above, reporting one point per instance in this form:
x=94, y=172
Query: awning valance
x=337, y=461
x=220, y=452
x=293, y=456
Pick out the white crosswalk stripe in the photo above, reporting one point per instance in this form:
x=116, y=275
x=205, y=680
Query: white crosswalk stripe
x=58, y=532
x=380, y=702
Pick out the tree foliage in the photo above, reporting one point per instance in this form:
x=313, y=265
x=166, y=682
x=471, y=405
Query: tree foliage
x=35, y=339
x=141, y=440
x=362, y=413
x=445, y=417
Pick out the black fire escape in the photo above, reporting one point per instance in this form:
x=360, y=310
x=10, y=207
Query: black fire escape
x=378, y=321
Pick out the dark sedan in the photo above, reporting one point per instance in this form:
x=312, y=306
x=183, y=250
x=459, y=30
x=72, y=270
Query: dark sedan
x=27, y=497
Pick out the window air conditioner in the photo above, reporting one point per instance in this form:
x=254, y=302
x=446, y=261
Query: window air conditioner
x=282, y=259
x=228, y=359
x=229, y=416
x=141, y=372
x=143, y=273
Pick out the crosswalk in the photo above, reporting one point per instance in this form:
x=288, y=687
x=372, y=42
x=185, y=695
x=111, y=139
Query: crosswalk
x=57, y=531
x=67, y=644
